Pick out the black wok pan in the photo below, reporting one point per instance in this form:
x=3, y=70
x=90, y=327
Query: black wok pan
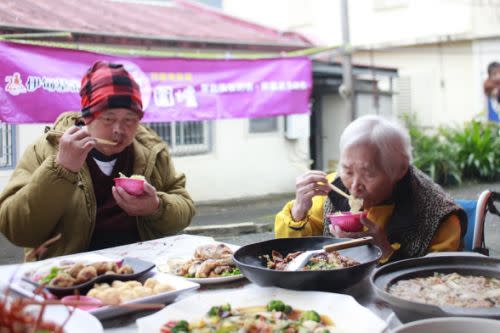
x=249, y=259
x=463, y=264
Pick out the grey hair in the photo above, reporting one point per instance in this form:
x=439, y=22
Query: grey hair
x=390, y=138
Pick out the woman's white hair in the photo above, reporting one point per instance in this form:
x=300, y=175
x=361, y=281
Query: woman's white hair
x=390, y=138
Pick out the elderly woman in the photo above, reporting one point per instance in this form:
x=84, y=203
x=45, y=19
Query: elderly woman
x=408, y=215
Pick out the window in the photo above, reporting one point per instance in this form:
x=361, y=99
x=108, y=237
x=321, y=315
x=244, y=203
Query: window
x=7, y=146
x=263, y=125
x=185, y=138
x=404, y=96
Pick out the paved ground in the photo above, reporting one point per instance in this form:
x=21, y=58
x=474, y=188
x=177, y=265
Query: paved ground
x=247, y=221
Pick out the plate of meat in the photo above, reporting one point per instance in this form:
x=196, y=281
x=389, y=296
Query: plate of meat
x=70, y=276
x=209, y=264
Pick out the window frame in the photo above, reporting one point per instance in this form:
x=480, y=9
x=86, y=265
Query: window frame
x=178, y=148
x=8, y=152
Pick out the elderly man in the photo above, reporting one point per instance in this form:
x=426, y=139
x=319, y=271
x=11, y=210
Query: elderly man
x=63, y=183
x=407, y=214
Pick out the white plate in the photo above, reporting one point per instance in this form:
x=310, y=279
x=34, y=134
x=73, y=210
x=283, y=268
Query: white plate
x=215, y=280
x=186, y=254
x=79, y=322
x=347, y=314
x=181, y=285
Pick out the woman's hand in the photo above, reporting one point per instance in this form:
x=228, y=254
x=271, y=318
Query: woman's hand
x=74, y=146
x=370, y=229
x=307, y=186
x=145, y=204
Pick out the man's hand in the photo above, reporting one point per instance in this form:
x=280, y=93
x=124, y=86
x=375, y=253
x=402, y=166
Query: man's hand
x=74, y=146
x=307, y=186
x=145, y=204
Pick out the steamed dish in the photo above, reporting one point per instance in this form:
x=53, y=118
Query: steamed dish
x=450, y=290
x=276, y=316
x=120, y=291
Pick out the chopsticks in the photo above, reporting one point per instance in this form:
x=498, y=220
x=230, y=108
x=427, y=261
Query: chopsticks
x=98, y=140
x=348, y=244
x=339, y=191
x=33, y=253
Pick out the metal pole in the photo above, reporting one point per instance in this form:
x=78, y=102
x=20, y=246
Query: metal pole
x=346, y=90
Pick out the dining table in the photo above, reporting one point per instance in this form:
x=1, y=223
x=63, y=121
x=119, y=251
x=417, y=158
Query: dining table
x=155, y=250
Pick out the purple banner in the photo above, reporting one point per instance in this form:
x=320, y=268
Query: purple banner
x=41, y=82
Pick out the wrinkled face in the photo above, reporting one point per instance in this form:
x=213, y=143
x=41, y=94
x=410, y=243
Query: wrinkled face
x=118, y=125
x=362, y=173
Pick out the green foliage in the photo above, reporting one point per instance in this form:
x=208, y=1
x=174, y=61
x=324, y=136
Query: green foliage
x=434, y=154
x=479, y=150
x=449, y=155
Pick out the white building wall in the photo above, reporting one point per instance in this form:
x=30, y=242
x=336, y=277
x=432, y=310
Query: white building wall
x=335, y=118
x=486, y=18
x=371, y=21
x=442, y=80
x=445, y=80
x=387, y=21
x=244, y=164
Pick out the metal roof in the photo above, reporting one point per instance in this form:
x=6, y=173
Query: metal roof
x=175, y=23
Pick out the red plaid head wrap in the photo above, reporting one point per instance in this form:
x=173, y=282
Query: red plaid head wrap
x=108, y=86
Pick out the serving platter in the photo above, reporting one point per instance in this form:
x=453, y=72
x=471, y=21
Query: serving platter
x=217, y=280
x=347, y=314
x=140, y=267
x=446, y=262
x=180, y=286
x=164, y=265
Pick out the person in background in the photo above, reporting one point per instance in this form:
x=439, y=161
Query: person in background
x=408, y=215
x=491, y=88
x=492, y=83
x=63, y=184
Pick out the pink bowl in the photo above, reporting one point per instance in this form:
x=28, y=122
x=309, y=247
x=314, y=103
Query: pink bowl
x=91, y=303
x=131, y=185
x=347, y=221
